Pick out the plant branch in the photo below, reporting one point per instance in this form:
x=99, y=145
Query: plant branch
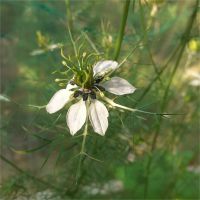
x=122, y=28
x=69, y=14
x=165, y=100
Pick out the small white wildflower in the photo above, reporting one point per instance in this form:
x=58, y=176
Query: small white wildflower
x=196, y=80
x=111, y=186
x=96, y=110
x=192, y=75
x=194, y=169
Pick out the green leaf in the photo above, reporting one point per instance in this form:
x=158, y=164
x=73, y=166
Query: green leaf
x=30, y=150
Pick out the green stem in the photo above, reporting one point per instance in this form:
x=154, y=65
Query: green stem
x=84, y=137
x=144, y=30
x=82, y=152
x=164, y=103
x=74, y=46
x=157, y=77
x=69, y=14
x=121, y=32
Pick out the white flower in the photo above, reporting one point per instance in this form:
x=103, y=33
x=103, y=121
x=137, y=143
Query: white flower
x=196, y=80
x=88, y=105
x=192, y=75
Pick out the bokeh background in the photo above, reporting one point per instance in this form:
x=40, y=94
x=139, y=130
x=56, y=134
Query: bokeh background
x=144, y=156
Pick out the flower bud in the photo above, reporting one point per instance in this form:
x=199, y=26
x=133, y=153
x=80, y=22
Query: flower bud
x=107, y=41
x=62, y=84
x=57, y=80
x=64, y=63
x=84, y=54
x=194, y=45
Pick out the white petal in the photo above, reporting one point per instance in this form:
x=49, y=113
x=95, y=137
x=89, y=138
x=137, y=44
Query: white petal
x=104, y=67
x=76, y=116
x=60, y=98
x=58, y=101
x=70, y=86
x=118, y=86
x=98, y=115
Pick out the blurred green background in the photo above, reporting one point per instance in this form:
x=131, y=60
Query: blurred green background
x=144, y=156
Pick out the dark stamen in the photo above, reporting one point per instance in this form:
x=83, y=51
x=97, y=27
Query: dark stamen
x=85, y=96
x=72, y=82
x=98, y=79
x=93, y=95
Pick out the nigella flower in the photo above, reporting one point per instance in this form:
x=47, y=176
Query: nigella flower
x=87, y=94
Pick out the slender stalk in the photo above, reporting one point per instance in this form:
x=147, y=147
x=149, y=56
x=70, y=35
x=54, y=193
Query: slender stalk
x=121, y=31
x=112, y=103
x=73, y=42
x=142, y=18
x=74, y=46
x=82, y=152
x=91, y=42
x=165, y=100
x=157, y=77
x=69, y=14
x=84, y=137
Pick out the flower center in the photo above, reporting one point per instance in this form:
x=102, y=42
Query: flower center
x=89, y=89
x=85, y=93
x=91, y=92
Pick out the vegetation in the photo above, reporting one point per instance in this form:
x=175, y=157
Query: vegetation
x=152, y=154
